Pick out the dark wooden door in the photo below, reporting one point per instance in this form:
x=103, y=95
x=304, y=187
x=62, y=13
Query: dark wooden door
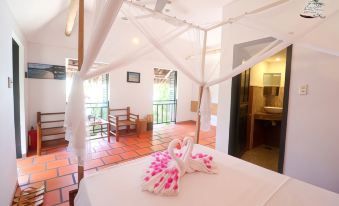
x=16, y=97
x=239, y=111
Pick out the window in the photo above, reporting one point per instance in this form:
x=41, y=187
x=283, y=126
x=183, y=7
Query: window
x=96, y=90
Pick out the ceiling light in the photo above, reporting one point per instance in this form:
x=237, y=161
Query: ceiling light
x=277, y=59
x=136, y=41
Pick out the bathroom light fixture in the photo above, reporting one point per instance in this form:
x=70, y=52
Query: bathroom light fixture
x=277, y=59
x=136, y=40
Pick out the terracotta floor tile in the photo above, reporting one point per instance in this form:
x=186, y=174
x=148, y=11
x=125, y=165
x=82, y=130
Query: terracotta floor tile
x=63, y=204
x=65, y=191
x=52, y=198
x=48, y=174
x=144, y=144
x=130, y=142
x=25, y=162
x=44, y=158
x=144, y=151
x=68, y=169
x=130, y=148
x=63, y=155
x=117, y=145
x=111, y=159
x=129, y=155
x=93, y=163
x=97, y=155
x=57, y=163
x=115, y=151
x=157, y=148
x=59, y=182
x=31, y=169
x=23, y=179
x=102, y=148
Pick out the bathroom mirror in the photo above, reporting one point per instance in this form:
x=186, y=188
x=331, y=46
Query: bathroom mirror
x=271, y=84
x=272, y=79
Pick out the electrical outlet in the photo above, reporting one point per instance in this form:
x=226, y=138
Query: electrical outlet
x=303, y=90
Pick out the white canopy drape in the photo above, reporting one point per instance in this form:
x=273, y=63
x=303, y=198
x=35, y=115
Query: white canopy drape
x=75, y=112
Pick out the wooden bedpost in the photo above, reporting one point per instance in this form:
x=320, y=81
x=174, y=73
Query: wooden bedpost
x=203, y=59
x=38, y=130
x=80, y=61
x=197, y=124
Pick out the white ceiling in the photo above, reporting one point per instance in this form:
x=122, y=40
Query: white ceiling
x=43, y=21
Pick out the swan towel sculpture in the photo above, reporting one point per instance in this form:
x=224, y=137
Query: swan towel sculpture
x=167, y=167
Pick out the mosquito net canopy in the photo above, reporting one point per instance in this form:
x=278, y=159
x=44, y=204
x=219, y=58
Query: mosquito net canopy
x=185, y=45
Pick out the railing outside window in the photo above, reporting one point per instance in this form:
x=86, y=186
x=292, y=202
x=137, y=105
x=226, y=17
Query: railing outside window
x=97, y=111
x=164, y=111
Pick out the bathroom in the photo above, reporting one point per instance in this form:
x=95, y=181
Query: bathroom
x=258, y=129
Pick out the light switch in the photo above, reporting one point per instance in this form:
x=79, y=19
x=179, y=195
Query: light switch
x=303, y=90
x=10, y=82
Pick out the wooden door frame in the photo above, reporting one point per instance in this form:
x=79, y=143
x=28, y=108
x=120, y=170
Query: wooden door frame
x=237, y=60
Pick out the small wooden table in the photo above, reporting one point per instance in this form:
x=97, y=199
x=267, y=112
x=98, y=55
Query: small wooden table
x=99, y=122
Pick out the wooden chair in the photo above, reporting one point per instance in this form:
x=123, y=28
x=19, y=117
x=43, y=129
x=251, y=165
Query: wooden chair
x=122, y=118
x=44, y=127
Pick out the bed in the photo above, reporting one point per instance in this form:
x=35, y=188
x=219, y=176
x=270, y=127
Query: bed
x=237, y=183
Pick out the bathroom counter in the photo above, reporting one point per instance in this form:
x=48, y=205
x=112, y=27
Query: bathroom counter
x=268, y=116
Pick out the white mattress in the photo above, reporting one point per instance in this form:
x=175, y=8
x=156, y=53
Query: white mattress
x=237, y=183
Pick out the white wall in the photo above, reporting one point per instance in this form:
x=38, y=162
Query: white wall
x=8, y=173
x=47, y=95
x=140, y=96
x=312, y=131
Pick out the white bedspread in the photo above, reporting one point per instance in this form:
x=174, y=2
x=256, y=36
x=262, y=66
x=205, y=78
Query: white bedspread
x=237, y=183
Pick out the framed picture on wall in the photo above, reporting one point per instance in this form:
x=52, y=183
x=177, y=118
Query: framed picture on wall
x=46, y=71
x=133, y=77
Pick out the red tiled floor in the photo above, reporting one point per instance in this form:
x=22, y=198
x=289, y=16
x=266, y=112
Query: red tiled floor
x=65, y=191
x=59, y=182
x=93, y=163
x=57, y=163
x=130, y=148
x=45, y=175
x=97, y=155
x=129, y=155
x=144, y=151
x=111, y=159
x=144, y=144
x=116, y=151
x=68, y=169
x=52, y=198
x=44, y=158
x=31, y=169
x=58, y=168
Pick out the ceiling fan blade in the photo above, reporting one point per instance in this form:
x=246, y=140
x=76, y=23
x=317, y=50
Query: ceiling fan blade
x=72, y=14
x=160, y=5
x=268, y=6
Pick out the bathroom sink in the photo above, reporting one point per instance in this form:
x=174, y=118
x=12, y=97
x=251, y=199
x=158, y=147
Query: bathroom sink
x=273, y=110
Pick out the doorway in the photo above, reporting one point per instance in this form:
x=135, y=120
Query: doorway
x=16, y=96
x=259, y=108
